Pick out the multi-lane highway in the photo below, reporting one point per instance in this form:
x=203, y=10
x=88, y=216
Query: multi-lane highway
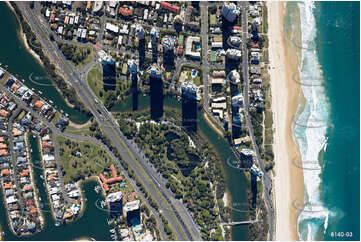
x=174, y=211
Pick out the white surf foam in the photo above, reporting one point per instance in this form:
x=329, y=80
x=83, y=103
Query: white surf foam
x=311, y=137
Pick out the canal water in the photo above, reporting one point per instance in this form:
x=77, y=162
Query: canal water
x=92, y=224
x=236, y=181
x=22, y=63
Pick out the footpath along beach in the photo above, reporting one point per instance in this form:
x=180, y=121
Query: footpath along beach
x=289, y=186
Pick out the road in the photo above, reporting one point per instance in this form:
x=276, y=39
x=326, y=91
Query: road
x=174, y=211
x=56, y=132
x=14, y=161
x=204, y=34
x=267, y=181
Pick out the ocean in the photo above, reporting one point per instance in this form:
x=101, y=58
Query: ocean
x=326, y=125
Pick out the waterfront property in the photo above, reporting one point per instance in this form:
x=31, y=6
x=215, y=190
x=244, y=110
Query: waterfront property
x=19, y=194
x=30, y=97
x=65, y=201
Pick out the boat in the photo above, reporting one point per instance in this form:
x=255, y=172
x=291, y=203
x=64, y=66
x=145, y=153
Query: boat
x=41, y=176
x=112, y=230
x=40, y=92
x=92, y=239
x=57, y=224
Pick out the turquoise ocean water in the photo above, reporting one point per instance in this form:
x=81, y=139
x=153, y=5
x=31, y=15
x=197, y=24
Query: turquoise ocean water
x=327, y=128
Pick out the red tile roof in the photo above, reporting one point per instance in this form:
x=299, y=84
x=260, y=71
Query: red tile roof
x=170, y=7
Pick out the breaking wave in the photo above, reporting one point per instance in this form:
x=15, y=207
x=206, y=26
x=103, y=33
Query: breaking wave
x=311, y=140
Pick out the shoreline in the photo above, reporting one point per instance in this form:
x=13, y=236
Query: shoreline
x=212, y=125
x=23, y=36
x=289, y=185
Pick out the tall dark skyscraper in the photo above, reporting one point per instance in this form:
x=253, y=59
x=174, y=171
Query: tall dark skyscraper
x=132, y=67
x=109, y=73
x=156, y=92
x=154, y=35
x=189, y=106
x=168, y=51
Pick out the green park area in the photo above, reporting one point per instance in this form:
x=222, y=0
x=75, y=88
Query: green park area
x=79, y=56
x=108, y=98
x=178, y=156
x=81, y=159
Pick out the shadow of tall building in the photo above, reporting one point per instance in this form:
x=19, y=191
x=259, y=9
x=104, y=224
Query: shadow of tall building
x=109, y=74
x=140, y=34
x=135, y=92
x=156, y=92
x=115, y=204
x=131, y=211
x=189, y=106
x=141, y=49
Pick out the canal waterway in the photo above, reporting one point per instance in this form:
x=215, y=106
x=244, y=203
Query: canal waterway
x=92, y=224
x=21, y=63
x=236, y=181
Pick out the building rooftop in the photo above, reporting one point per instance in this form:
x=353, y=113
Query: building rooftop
x=131, y=206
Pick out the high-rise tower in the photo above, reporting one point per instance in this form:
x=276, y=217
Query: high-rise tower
x=132, y=67
x=189, y=106
x=168, y=51
x=156, y=92
x=154, y=35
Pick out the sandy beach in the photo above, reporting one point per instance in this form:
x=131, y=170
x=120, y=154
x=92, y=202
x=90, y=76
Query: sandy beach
x=285, y=97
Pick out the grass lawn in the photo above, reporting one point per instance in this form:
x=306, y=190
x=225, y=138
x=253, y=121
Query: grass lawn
x=183, y=76
x=56, y=118
x=83, y=130
x=95, y=82
x=92, y=161
x=186, y=75
x=212, y=19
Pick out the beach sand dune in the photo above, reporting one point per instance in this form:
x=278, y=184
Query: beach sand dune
x=285, y=97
